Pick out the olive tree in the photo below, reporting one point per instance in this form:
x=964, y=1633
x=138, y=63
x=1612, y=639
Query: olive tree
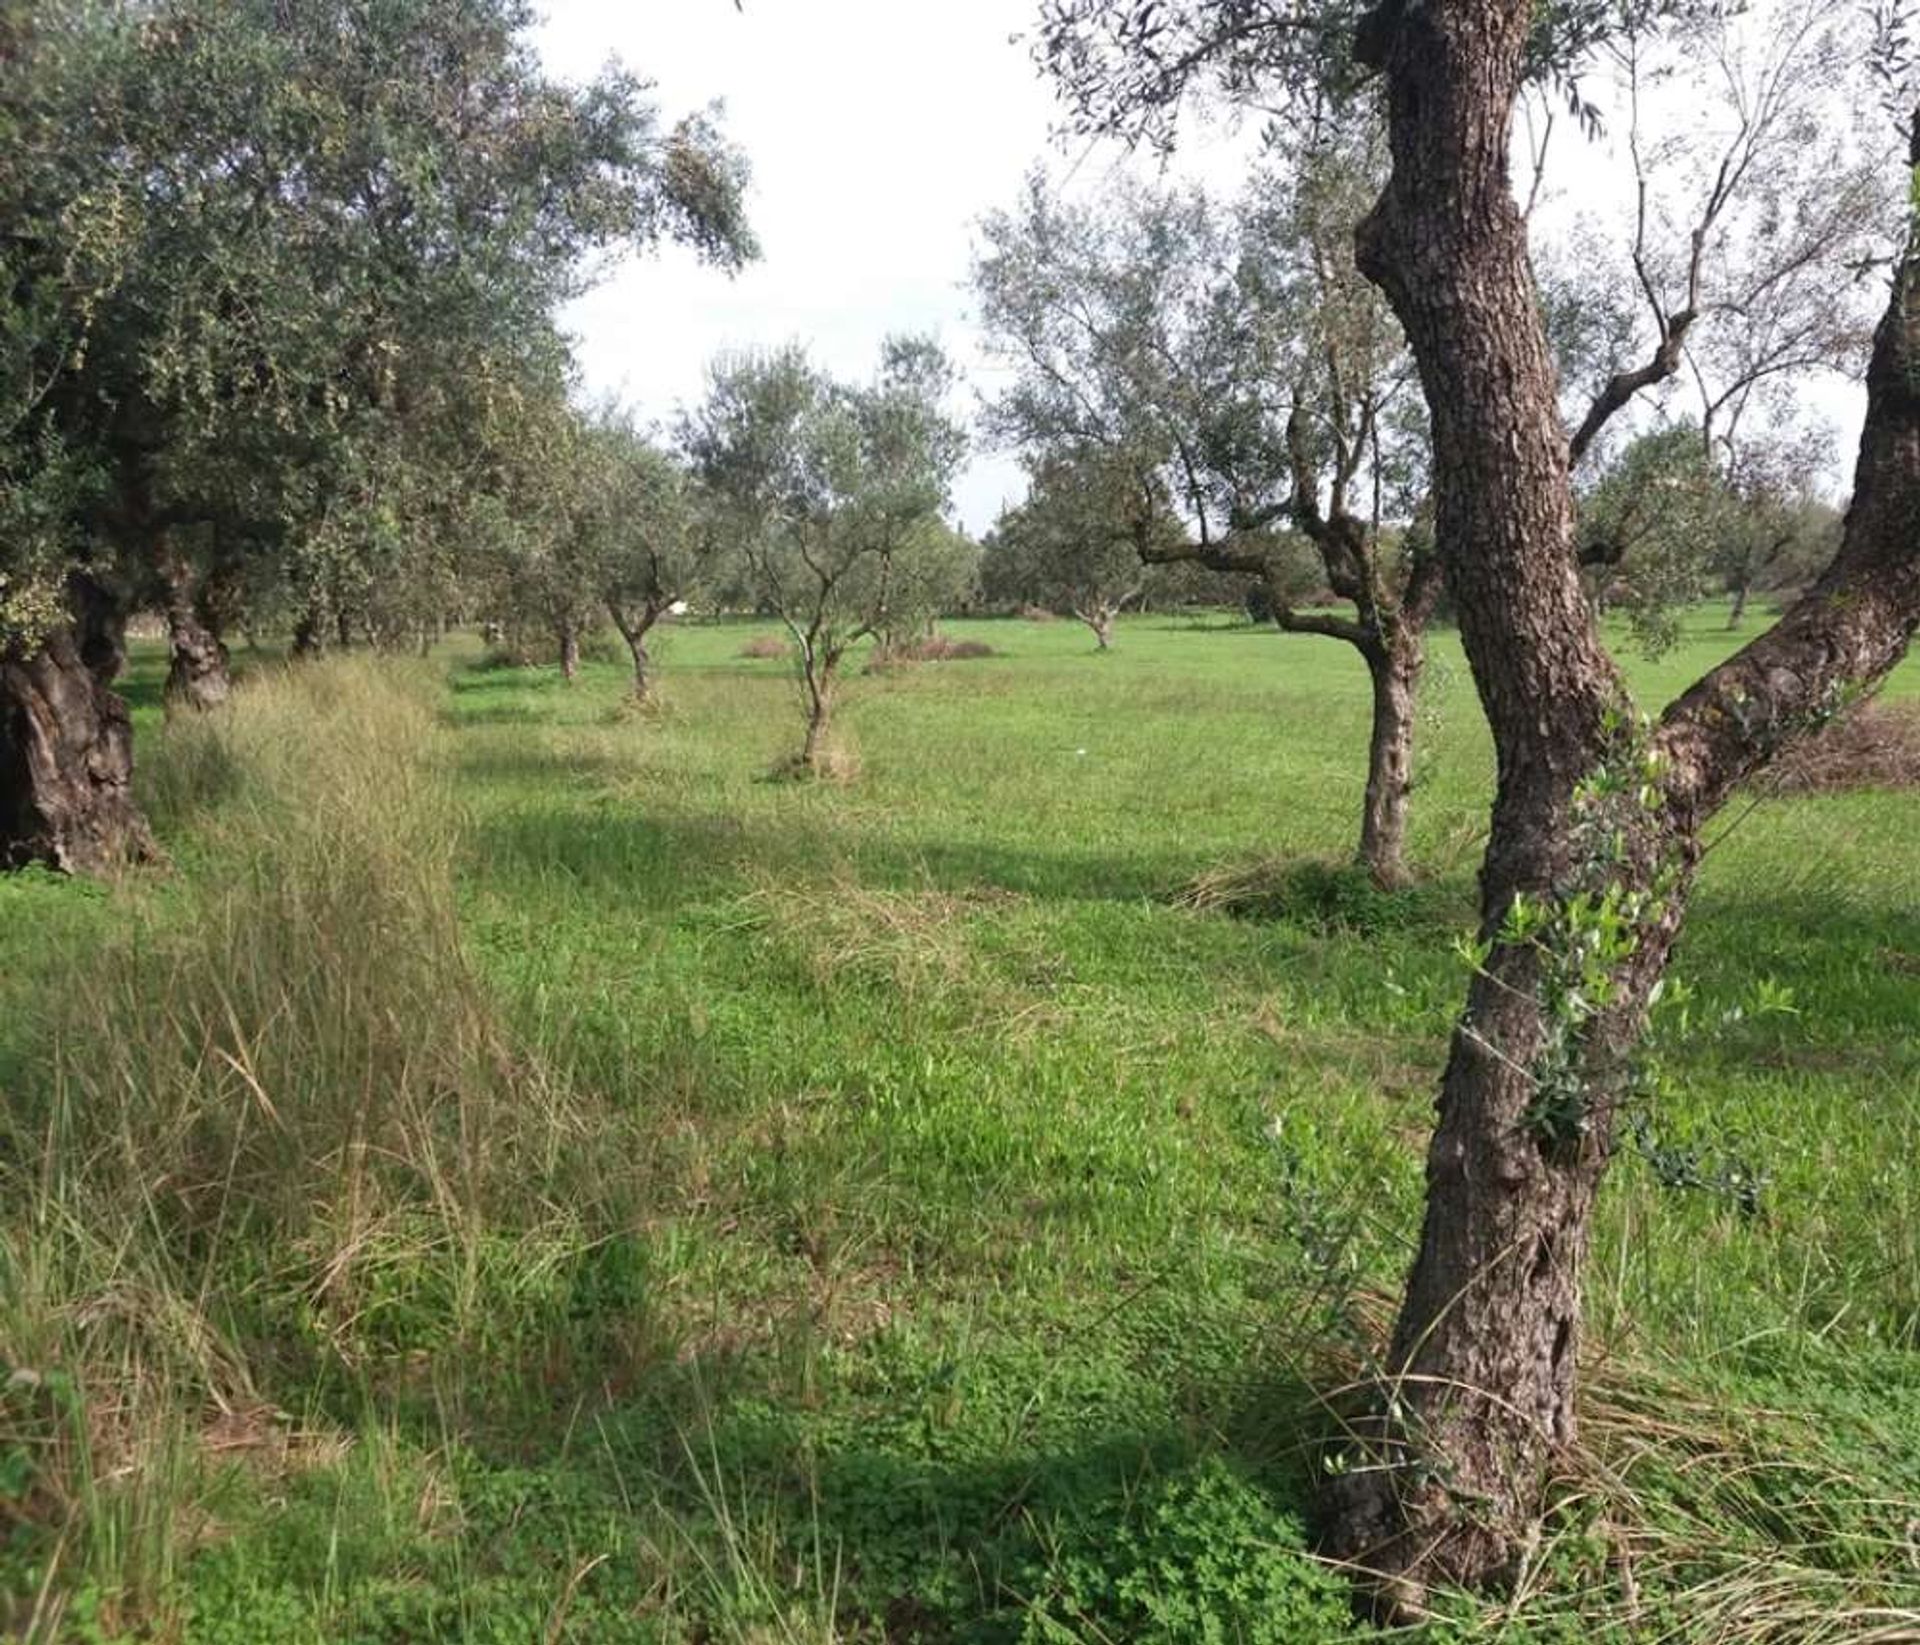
x=652, y=542
x=1234, y=367
x=934, y=574
x=1599, y=817
x=1074, y=544
x=1648, y=521
x=829, y=489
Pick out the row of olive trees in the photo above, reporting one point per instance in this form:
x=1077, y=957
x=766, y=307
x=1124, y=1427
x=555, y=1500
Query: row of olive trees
x=278, y=281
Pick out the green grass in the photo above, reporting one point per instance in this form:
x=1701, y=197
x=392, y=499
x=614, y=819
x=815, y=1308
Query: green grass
x=527, y=1175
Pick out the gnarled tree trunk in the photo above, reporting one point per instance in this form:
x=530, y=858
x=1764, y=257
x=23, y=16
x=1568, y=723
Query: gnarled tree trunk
x=1394, y=647
x=642, y=668
x=66, y=749
x=310, y=633
x=816, y=680
x=198, y=675
x=1449, y=1463
x=569, y=652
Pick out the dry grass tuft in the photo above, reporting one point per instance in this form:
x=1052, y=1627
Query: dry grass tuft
x=929, y=648
x=908, y=940
x=1321, y=892
x=837, y=766
x=766, y=648
x=1872, y=745
x=290, y=1055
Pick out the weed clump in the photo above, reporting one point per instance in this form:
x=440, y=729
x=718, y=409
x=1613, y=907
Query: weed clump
x=1336, y=897
x=929, y=648
x=836, y=766
x=766, y=648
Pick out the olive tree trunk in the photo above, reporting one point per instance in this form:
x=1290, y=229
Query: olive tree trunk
x=1395, y=676
x=310, y=633
x=1101, y=621
x=634, y=629
x=66, y=750
x=198, y=674
x=1445, y=1469
x=1739, y=604
x=1393, y=642
x=816, y=679
x=569, y=652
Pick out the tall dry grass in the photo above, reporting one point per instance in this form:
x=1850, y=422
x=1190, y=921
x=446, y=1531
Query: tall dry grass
x=275, y=1126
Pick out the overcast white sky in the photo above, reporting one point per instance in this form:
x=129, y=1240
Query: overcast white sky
x=879, y=133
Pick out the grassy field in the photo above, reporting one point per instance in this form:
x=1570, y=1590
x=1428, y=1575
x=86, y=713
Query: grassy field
x=524, y=1175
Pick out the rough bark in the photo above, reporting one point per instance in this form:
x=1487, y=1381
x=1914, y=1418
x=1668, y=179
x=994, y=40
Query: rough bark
x=198, y=675
x=66, y=750
x=1394, y=646
x=1450, y=1461
x=1739, y=605
x=569, y=652
x=1395, y=675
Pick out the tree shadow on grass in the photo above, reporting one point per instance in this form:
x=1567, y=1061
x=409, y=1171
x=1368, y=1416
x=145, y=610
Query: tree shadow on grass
x=964, y=1497
x=608, y=848
x=522, y=763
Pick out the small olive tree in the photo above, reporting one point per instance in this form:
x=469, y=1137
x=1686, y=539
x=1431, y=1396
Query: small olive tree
x=1078, y=544
x=650, y=540
x=829, y=489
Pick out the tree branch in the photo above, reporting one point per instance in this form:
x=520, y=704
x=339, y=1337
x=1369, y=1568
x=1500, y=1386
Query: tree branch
x=1856, y=622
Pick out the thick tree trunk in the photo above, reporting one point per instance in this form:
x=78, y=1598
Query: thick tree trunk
x=198, y=675
x=1100, y=620
x=66, y=751
x=1739, y=605
x=1395, y=673
x=1481, y=1365
x=1447, y=1466
x=569, y=652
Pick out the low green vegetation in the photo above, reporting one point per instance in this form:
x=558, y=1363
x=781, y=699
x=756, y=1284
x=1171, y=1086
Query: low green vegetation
x=523, y=1174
